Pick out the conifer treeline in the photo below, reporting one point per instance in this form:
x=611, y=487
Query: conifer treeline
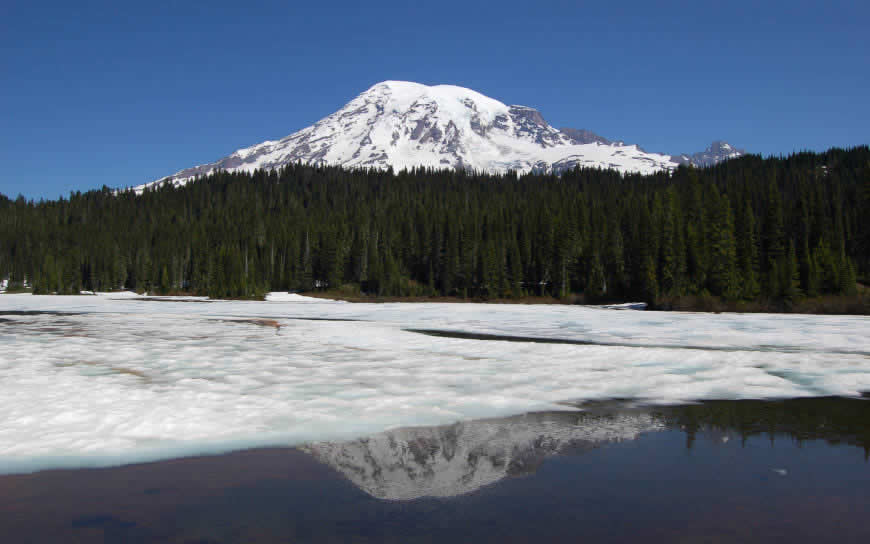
x=777, y=228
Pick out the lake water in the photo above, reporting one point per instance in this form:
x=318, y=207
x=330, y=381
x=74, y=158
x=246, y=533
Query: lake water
x=738, y=471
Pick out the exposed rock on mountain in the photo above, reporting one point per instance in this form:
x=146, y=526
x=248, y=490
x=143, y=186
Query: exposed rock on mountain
x=717, y=152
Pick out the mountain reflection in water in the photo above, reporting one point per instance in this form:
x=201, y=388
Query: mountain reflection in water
x=451, y=460
x=729, y=471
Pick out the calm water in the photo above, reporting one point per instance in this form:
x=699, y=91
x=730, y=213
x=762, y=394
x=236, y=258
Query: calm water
x=742, y=471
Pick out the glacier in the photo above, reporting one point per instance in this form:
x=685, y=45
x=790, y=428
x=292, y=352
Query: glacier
x=119, y=378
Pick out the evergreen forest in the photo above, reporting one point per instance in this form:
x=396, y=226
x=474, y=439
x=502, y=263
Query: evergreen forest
x=772, y=230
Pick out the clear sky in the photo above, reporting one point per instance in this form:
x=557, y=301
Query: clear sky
x=121, y=93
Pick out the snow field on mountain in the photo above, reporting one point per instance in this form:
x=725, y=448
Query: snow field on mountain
x=116, y=380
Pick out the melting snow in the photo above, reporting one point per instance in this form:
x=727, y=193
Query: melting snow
x=101, y=380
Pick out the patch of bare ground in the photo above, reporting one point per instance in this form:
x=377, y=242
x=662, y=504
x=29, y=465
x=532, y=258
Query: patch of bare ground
x=113, y=369
x=352, y=348
x=265, y=323
x=78, y=332
x=259, y=321
x=130, y=372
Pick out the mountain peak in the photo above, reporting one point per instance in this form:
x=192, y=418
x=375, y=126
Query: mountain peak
x=403, y=125
x=717, y=151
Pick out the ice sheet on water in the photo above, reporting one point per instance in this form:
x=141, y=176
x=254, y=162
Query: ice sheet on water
x=104, y=380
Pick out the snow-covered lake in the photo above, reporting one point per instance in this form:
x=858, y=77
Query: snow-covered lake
x=110, y=379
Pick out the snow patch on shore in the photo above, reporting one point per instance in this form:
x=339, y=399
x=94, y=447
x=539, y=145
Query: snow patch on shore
x=280, y=296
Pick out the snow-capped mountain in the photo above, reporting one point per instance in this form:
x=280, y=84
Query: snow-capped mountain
x=402, y=125
x=717, y=152
x=450, y=460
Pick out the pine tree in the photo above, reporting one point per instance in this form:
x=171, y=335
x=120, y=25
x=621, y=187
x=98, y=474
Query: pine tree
x=790, y=279
x=164, y=280
x=614, y=262
x=307, y=280
x=649, y=285
x=810, y=277
x=774, y=241
x=747, y=255
x=596, y=285
x=863, y=245
x=827, y=268
x=723, y=252
x=516, y=270
x=847, y=276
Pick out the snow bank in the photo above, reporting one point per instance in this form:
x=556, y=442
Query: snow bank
x=278, y=296
x=111, y=380
x=113, y=294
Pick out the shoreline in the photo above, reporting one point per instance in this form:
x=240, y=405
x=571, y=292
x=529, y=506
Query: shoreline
x=832, y=305
x=835, y=419
x=822, y=305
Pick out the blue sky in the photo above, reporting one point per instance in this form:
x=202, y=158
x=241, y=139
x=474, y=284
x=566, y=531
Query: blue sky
x=113, y=93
